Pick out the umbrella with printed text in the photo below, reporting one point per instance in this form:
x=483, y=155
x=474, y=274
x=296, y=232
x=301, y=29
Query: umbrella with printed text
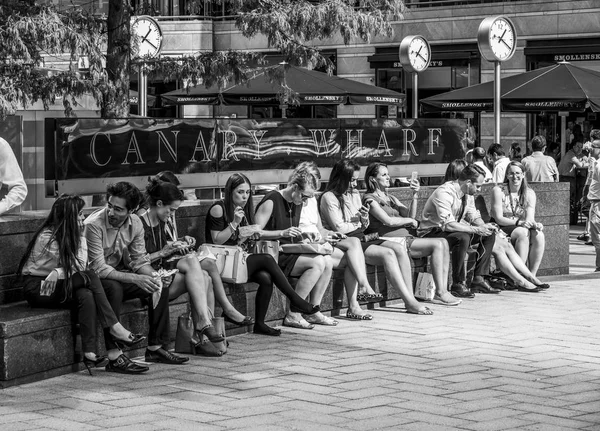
x=311, y=88
x=561, y=87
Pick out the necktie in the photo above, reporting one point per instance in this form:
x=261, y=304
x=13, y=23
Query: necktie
x=463, y=207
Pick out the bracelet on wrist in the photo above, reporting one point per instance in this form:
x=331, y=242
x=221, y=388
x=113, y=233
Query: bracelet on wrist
x=517, y=223
x=232, y=228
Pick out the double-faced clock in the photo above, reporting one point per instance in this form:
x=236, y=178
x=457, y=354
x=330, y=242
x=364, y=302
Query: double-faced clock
x=415, y=53
x=497, y=38
x=146, y=37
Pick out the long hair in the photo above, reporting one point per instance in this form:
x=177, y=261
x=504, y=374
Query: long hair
x=370, y=174
x=63, y=223
x=232, y=183
x=522, y=192
x=341, y=176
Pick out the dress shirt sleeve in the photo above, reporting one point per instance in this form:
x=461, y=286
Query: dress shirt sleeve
x=11, y=175
x=332, y=214
x=94, y=237
x=137, y=249
x=471, y=212
x=442, y=201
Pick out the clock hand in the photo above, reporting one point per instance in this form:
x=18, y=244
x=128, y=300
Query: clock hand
x=421, y=56
x=153, y=46
x=507, y=45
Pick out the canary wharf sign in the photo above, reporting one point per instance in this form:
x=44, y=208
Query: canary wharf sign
x=87, y=148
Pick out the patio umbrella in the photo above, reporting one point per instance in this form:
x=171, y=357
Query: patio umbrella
x=134, y=97
x=561, y=87
x=198, y=95
x=312, y=87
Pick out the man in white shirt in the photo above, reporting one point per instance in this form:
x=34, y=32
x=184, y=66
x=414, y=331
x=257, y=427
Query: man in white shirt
x=12, y=177
x=498, y=156
x=479, y=160
x=540, y=167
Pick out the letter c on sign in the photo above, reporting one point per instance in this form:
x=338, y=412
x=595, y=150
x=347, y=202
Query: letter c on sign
x=93, y=150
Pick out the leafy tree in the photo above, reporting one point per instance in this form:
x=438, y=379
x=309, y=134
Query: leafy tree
x=293, y=27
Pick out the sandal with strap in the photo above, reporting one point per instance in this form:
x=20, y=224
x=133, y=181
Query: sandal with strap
x=320, y=319
x=300, y=324
x=354, y=316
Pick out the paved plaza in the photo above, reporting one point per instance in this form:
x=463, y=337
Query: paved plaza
x=527, y=361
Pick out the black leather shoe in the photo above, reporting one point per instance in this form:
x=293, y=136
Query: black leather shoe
x=130, y=341
x=461, y=291
x=483, y=287
x=164, y=357
x=124, y=365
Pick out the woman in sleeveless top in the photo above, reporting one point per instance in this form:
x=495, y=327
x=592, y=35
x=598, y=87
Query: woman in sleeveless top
x=513, y=209
x=163, y=200
x=342, y=211
x=278, y=214
x=223, y=227
x=390, y=218
x=56, y=275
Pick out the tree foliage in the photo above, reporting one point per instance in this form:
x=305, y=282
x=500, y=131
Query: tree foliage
x=295, y=28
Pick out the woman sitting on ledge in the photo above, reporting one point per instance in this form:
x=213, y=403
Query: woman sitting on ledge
x=164, y=199
x=278, y=214
x=390, y=218
x=342, y=211
x=223, y=227
x=229, y=311
x=513, y=209
x=55, y=275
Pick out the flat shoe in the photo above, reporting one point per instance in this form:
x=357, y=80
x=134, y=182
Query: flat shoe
x=439, y=301
x=354, y=316
x=524, y=289
x=425, y=311
x=321, y=320
x=543, y=286
x=362, y=297
x=300, y=324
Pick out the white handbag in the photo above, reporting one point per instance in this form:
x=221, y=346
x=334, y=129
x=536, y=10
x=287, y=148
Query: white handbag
x=231, y=262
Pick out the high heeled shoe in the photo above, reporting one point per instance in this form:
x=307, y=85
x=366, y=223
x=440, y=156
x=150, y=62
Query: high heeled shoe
x=211, y=333
x=296, y=309
x=246, y=322
x=132, y=340
x=100, y=361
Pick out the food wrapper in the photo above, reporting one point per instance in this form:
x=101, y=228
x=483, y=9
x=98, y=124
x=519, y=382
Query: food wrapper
x=248, y=231
x=160, y=275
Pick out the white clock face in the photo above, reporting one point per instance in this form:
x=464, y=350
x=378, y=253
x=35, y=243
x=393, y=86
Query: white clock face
x=502, y=39
x=147, y=38
x=419, y=54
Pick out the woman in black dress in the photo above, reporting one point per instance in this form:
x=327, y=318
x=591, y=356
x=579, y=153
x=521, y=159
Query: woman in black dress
x=222, y=227
x=279, y=215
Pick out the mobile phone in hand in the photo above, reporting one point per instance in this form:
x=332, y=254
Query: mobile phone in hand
x=414, y=176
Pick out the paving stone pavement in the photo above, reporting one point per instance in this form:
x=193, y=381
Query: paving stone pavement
x=526, y=361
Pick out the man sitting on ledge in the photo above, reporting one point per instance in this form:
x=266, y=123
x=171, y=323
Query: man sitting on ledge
x=112, y=232
x=450, y=213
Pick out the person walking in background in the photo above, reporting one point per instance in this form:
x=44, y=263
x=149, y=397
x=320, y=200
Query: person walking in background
x=479, y=160
x=594, y=198
x=500, y=161
x=450, y=213
x=112, y=232
x=12, y=177
x=539, y=167
x=56, y=275
x=567, y=170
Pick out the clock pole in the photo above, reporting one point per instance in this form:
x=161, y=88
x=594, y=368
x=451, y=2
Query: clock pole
x=415, y=101
x=497, y=106
x=143, y=90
